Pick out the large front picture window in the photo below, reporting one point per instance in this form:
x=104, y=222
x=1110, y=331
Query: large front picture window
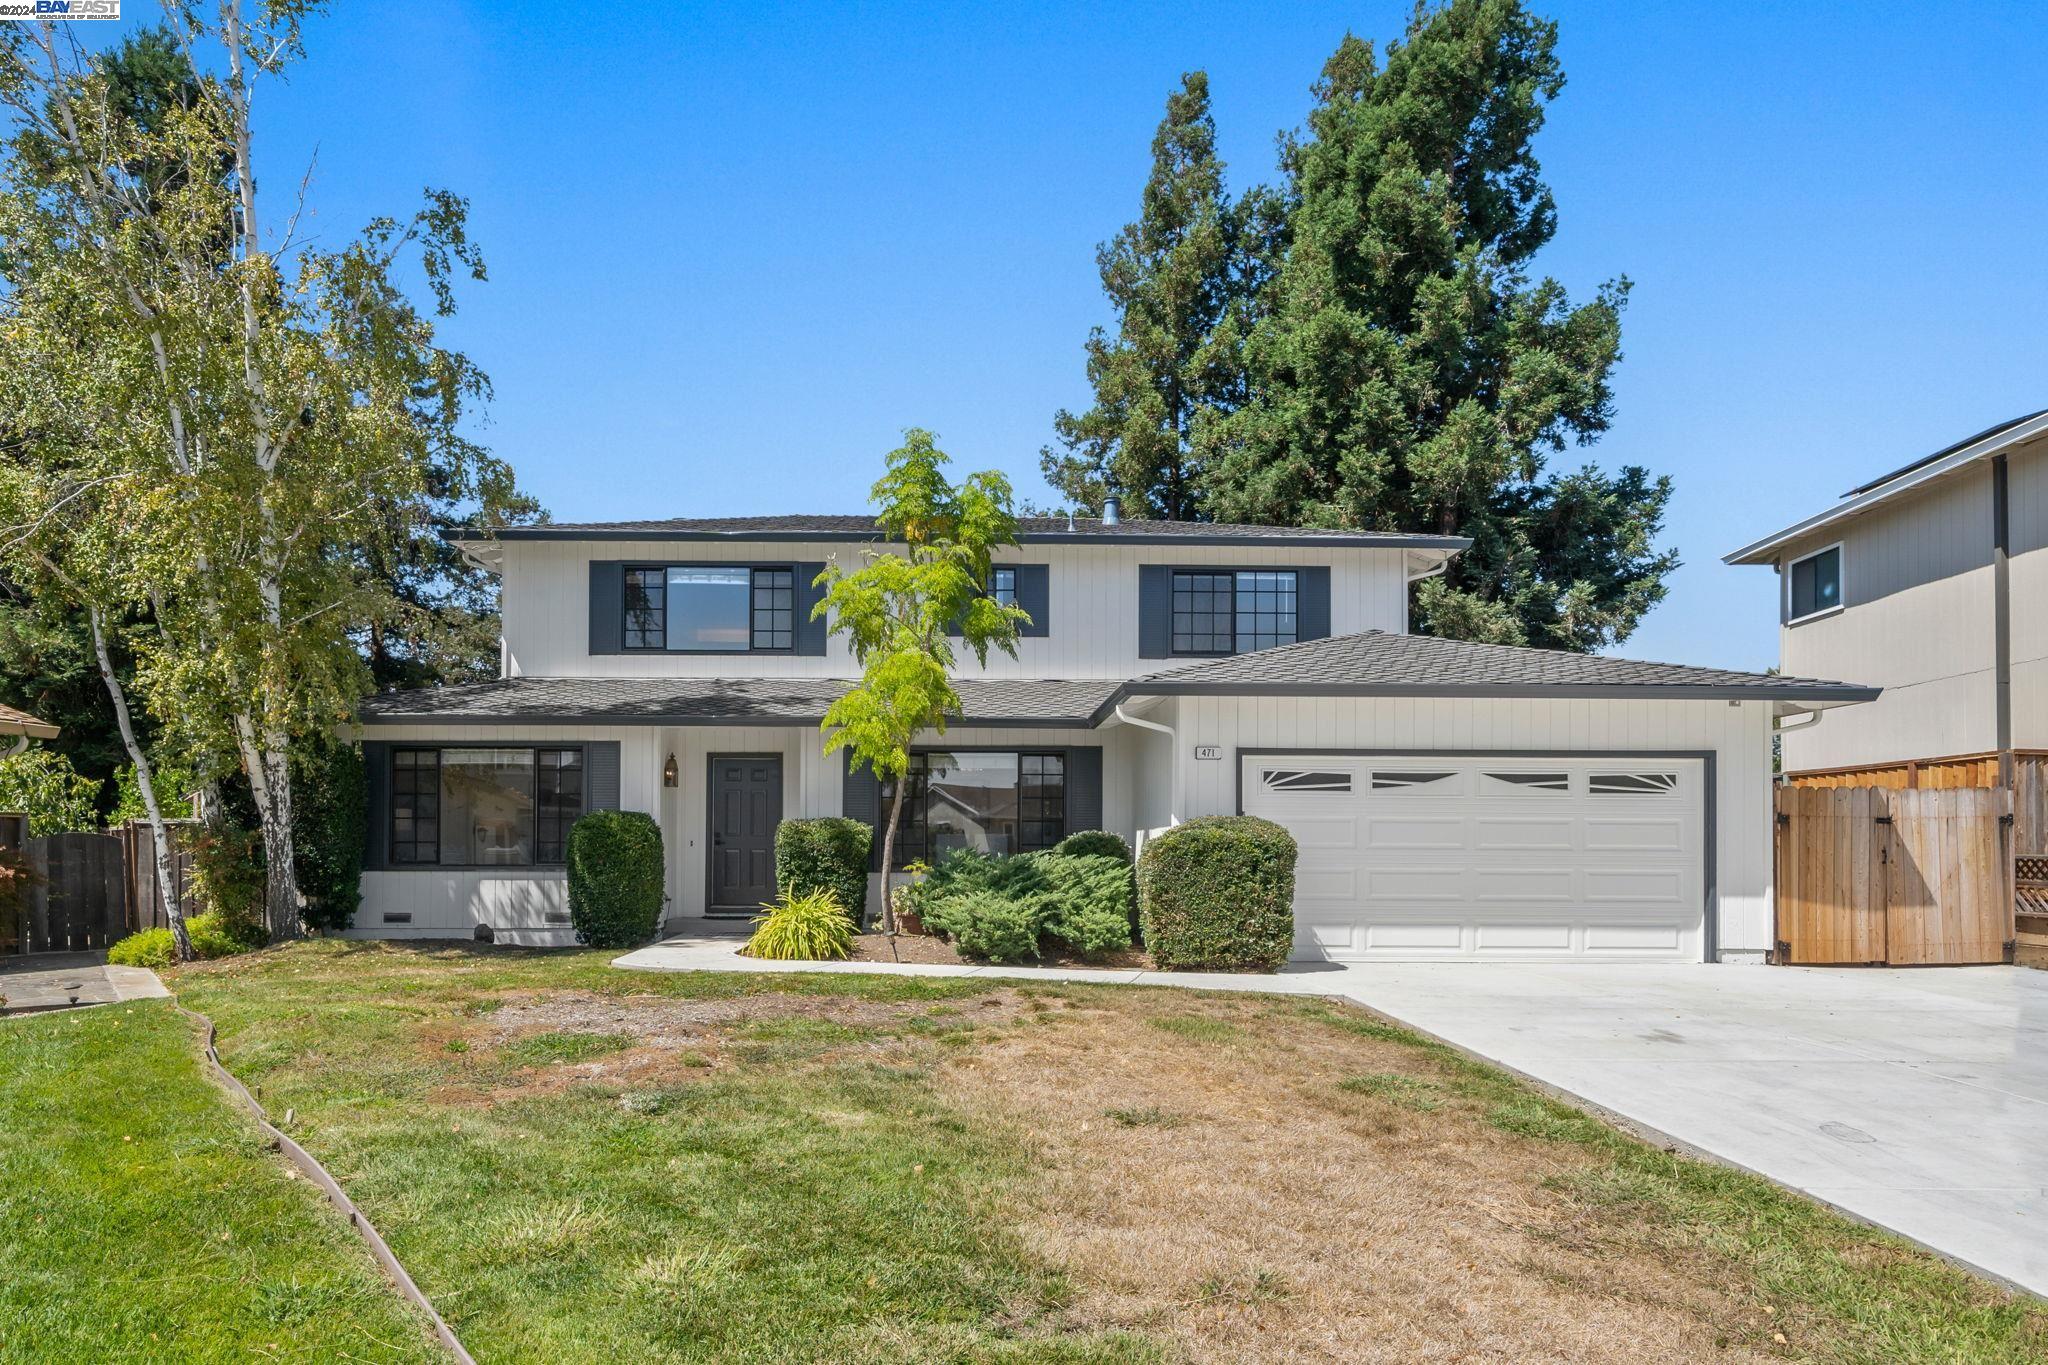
x=1234, y=611
x=710, y=608
x=989, y=802
x=495, y=807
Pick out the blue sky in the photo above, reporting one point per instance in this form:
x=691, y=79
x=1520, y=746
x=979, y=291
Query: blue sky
x=735, y=250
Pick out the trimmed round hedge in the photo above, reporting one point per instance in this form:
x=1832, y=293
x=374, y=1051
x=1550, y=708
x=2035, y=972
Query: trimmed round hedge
x=1219, y=892
x=1093, y=843
x=825, y=854
x=615, y=878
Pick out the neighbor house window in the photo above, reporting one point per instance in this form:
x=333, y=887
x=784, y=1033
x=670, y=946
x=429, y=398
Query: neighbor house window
x=1002, y=585
x=710, y=608
x=1815, y=583
x=1234, y=611
x=989, y=802
x=484, y=807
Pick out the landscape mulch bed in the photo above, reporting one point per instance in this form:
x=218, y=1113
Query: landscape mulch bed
x=930, y=950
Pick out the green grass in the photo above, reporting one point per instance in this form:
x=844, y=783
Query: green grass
x=142, y=1217
x=779, y=1205
x=796, y=1188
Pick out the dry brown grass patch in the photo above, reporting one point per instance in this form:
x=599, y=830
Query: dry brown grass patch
x=1207, y=1178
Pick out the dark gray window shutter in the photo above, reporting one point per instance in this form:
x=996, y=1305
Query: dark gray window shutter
x=1084, y=789
x=1155, y=611
x=860, y=799
x=1034, y=594
x=601, y=774
x=377, y=774
x=1312, y=603
x=607, y=606
x=810, y=635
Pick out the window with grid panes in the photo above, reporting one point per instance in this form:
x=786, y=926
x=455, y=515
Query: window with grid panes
x=1234, y=611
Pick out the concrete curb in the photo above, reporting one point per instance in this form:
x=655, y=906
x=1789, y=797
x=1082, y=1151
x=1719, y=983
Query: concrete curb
x=329, y=1186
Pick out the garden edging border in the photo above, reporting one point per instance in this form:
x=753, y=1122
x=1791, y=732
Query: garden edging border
x=311, y=1168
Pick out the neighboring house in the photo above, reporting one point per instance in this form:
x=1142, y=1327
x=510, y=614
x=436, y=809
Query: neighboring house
x=17, y=728
x=1450, y=799
x=1931, y=582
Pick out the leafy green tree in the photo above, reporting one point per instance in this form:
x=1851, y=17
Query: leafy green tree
x=263, y=416
x=900, y=608
x=54, y=795
x=1182, y=280
x=1408, y=373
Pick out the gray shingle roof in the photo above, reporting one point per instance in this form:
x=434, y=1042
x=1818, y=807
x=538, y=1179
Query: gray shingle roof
x=861, y=527
x=1379, y=663
x=715, y=701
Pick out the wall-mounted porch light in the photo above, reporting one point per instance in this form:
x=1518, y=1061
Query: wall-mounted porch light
x=668, y=772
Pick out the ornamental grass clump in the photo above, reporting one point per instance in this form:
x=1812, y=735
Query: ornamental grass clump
x=811, y=927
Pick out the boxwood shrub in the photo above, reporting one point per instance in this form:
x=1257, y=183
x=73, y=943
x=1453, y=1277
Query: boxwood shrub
x=1219, y=892
x=827, y=854
x=1093, y=843
x=615, y=878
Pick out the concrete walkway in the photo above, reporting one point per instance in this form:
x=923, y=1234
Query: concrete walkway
x=59, y=981
x=1915, y=1099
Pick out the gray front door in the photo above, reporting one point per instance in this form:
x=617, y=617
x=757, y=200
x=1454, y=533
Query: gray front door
x=746, y=806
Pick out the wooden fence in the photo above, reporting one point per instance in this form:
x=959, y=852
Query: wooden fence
x=77, y=896
x=2029, y=785
x=1900, y=877
x=83, y=891
x=145, y=899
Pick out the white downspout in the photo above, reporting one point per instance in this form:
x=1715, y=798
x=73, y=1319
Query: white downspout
x=1443, y=562
x=20, y=746
x=1172, y=757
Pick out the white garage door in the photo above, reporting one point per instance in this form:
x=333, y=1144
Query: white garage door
x=1407, y=857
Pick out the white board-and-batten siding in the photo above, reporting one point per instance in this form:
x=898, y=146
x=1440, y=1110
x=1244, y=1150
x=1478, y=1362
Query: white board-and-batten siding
x=1093, y=604
x=1736, y=734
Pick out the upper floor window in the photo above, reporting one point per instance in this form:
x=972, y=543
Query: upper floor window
x=1814, y=584
x=710, y=608
x=1002, y=586
x=1234, y=611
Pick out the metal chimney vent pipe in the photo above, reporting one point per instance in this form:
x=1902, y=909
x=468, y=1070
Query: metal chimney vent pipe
x=1112, y=509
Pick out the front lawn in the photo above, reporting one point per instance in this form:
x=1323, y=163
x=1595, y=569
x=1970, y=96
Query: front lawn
x=579, y=1163
x=142, y=1217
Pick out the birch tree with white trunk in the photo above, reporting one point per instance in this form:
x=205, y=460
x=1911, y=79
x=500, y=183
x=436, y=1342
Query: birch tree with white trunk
x=264, y=401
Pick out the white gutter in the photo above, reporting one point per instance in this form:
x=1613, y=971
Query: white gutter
x=1761, y=552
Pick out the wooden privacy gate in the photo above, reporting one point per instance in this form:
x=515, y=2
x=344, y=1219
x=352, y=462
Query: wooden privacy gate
x=77, y=896
x=1900, y=878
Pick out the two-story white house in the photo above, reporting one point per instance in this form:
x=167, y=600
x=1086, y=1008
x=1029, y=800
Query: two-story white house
x=1450, y=799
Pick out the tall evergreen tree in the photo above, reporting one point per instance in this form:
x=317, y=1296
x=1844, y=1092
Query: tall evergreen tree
x=1409, y=374
x=1181, y=279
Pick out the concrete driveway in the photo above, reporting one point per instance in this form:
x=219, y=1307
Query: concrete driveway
x=1916, y=1099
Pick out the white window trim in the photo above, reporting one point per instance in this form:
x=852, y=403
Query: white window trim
x=1841, y=584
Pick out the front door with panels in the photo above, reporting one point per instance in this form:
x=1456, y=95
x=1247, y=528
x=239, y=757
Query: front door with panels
x=1490, y=857
x=746, y=806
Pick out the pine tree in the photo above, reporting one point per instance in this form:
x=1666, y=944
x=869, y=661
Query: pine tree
x=1181, y=279
x=1409, y=374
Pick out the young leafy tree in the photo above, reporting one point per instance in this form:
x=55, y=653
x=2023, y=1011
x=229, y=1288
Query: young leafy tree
x=899, y=611
x=1409, y=373
x=268, y=407
x=1182, y=280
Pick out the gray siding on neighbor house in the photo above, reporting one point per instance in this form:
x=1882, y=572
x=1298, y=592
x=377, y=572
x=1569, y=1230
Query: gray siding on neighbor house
x=1917, y=620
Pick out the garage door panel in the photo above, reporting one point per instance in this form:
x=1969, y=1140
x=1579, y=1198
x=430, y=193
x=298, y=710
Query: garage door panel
x=1414, y=832
x=1521, y=834
x=1618, y=939
x=1394, y=885
x=1555, y=885
x=1552, y=939
x=1491, y=857
x=1440, y=937
x=1637, y=885
x=1658, y=834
